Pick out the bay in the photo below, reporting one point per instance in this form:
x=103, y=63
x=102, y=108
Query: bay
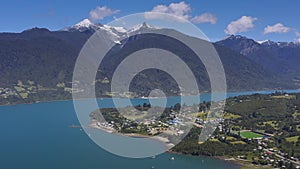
x=39, y=136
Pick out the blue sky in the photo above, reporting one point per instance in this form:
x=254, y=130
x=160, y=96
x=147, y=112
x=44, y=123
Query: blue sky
x=257, y=19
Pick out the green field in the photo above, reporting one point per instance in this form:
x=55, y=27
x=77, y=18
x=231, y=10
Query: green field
x=249, y=134
x=292, y=139
x=237, y=142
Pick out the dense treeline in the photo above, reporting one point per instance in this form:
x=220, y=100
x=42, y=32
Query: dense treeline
x=190, y=145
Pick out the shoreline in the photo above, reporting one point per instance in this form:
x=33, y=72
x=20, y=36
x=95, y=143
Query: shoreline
x=165, y=141
x=231, y=160
x=238, y=162
x=162, y=140
x=248, y=92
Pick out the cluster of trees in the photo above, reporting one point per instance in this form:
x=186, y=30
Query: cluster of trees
x=190, y=145
x=58, y=94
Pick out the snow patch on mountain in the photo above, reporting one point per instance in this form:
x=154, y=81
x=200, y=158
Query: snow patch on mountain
x=83, y=23
x=115, y=33
x=262, y=41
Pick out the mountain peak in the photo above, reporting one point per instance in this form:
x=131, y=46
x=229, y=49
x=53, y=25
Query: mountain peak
x=37, y=28
x=84, y=23
x=244, y=39
x=145, y=25
x=87, y=24
x=141, y=26
x=236, y=37
x=82, y=26
x=239, y=39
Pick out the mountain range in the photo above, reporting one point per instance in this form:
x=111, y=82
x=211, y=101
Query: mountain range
x=280, y=58
x=48, y=58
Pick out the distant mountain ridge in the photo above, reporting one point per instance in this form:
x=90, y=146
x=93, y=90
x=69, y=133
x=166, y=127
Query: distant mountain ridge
x=281, y=58
x=244, y=45
x=48, y=58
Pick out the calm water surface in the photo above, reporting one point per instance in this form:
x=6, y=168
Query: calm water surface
x=38, y=136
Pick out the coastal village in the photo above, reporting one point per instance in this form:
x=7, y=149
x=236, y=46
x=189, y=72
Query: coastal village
x=137, y=120
x=261, y=149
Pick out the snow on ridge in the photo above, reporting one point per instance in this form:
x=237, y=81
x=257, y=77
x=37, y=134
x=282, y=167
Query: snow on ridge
x=84, y=23
x=262, y=41
x=114, y=33
x=138, y=27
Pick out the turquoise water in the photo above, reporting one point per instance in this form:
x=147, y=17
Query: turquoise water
x=38, y=136
x=107, y=102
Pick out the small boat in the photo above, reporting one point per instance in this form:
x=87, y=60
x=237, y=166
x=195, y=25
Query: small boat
x=172, y=158
x=74, y=126
x=153, y=157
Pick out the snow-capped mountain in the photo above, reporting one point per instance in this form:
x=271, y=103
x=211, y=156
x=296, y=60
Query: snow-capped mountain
x=240, y=44
x=82, y=26
x=115, y=33
x=249, y=41
x=245, y=45
x=86, y=24
x=280, y=44
x=141, y=27
x=279, y=57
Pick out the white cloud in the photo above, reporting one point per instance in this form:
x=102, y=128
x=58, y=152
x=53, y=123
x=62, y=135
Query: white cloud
x=241, y=25
x=101, y=12
x=182, y=11
x=277, y=28
x=297, y=39
x=205, y=18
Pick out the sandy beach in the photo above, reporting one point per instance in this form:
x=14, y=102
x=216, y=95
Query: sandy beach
x=163, y=140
